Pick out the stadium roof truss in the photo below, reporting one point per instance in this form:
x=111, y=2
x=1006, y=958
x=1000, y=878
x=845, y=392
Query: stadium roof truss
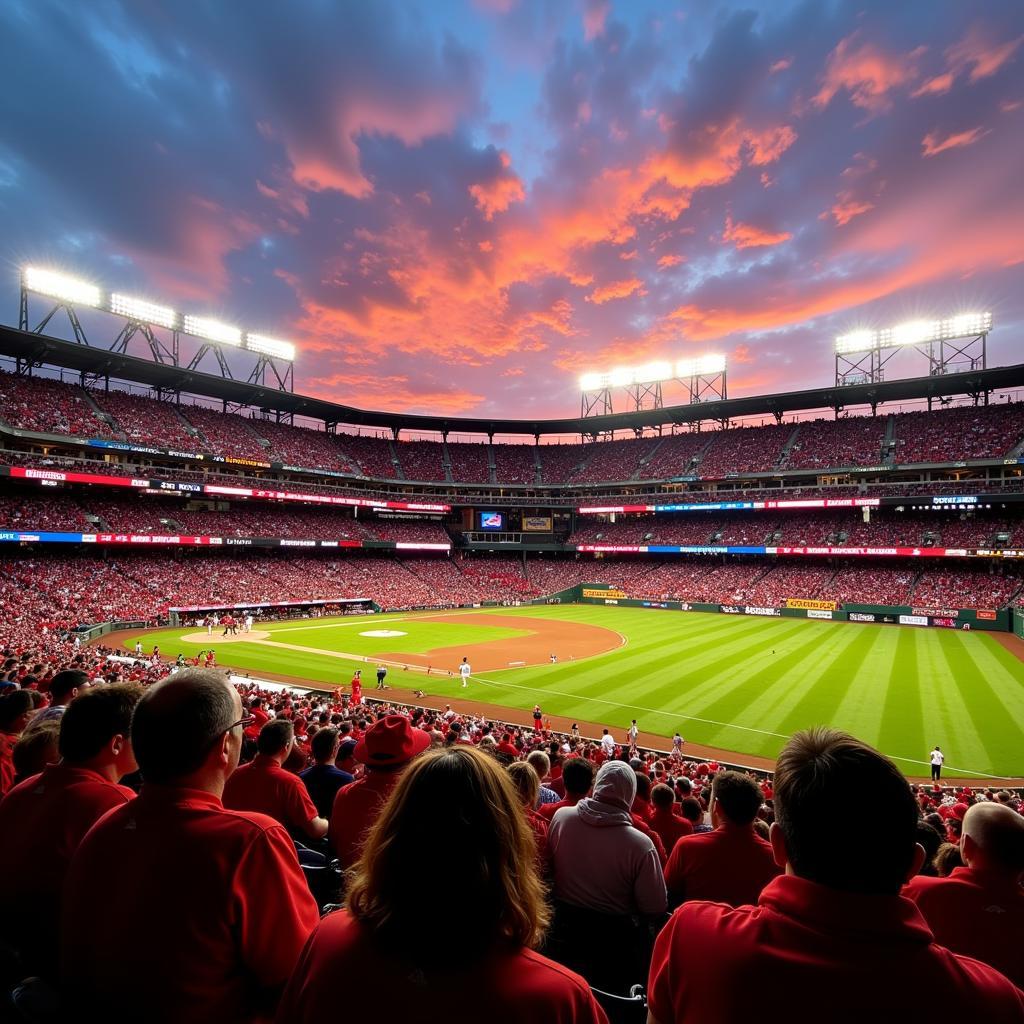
x=30, y=349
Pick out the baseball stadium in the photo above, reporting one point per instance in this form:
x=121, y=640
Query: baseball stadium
x=571, y=606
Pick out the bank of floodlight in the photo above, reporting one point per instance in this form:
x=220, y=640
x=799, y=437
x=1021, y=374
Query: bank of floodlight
x=143, y=311
x=702, y=366
x=212, y=330
x=652, y=373
x=63, y=288
x=592, y=382
x=274, y=347
x=915, y=332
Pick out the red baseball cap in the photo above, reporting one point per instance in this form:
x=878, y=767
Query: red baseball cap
x=391, y=741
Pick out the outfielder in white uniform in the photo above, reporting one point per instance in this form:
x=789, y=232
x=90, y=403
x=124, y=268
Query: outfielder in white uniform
x=465, y=671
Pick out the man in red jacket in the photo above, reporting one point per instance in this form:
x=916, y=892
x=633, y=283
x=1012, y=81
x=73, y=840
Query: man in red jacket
x=979, y=909
x=386, y=748
x=730, y=864
x=177, y=909
x=44, y=818
x=832, y=939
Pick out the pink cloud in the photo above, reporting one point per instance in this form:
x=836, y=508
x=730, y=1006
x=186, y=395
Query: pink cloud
x=937, y=86
x=670, y=260
x=500, y=192
x=846, y=207
x=866, y=72
x=980, y=54
x=747, y=236
x=615, y=290
x=595, y=13
x=934, y=143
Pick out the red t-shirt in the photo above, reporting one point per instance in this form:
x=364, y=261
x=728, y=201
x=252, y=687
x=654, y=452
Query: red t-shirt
x=7, y=772
x=177, y=909
x=264, y=786
x=42, y=820
x=342, y=961
x=730, y=865
x=253, y=731
x=640, y=824
x=670, y=826
x=539, y=827
x=356, y=808
x=973, y=915
x=547, y=811
x=820, y=954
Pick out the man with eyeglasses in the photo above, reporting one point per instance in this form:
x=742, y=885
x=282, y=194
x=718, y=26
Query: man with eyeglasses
x=177, y=908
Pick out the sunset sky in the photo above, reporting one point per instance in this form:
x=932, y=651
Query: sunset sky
x=460, y=207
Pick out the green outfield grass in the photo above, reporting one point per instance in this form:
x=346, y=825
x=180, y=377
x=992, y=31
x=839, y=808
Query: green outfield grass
x=740, y=683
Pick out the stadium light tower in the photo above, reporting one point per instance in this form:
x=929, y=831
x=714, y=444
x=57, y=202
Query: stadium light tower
x=703, y=378
x=951, y=345
x=65, y=291
x=140, y=318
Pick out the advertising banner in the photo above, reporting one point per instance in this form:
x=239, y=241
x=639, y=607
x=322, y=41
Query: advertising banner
x=945, y=613
x=809, y=603
x=756, y=610
x=913, y=620
x=818, y=613
x=862, y=617
x=591, y=592
x=537, y=524
x=985, y=615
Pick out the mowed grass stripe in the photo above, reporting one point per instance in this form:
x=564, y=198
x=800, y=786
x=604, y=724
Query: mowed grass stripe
x=901, y=733
x=994, y=733
x=862, y=707
x=836, y=668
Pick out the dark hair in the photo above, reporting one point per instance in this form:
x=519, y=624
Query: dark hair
x=94, y=718
x=662, y=796
x=13, y=706
x=929, y=837
x=321, y=746
x=577, y=776
x=64, y=682
x=178, y=721
x=643, y=784
x=275, y=736
x=738, y=796
x=691, y=809
x=822, y=773
x=36, y=748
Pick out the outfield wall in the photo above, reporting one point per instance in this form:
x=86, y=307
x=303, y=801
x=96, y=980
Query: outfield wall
x=903, y=615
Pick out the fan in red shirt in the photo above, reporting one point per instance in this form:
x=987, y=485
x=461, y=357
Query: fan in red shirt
x=264, y=785
x=578, y=778
x=664, y=820
x=177, y=909
x=979, y=909
x=385, y=749
x=730, y=864
x=527, y=784
x=390, y=967
x=44, y=818
x=357, y=688
x=16, y=711
x=259, y=718
x=831, y=938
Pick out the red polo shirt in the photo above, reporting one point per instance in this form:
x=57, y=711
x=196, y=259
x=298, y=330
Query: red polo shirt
x=177, y=909
x=731, y=864
x=670, y=826
x=42, y=820
x=502, y=988
x=547, y=811
x=973, y=914
x=823, y=955
x=264, y=786
x=356, y=808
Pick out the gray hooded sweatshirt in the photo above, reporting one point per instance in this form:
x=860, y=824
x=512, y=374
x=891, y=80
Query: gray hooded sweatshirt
x=600, y=860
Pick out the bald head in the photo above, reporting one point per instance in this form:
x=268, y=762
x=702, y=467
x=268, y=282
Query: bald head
x=993, y=838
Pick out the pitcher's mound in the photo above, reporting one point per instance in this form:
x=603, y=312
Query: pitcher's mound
x=216, y=640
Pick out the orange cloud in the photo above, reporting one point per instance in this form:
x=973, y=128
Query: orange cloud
x=747, y=236
x=780, y=65
x=498, y=194
x=866, y=72
x=846, y=207
x=933, y=143
x=616, y=290
x=391, y=393
x=670, y=260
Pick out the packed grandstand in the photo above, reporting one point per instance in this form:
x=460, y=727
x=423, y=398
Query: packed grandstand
x=125, y=508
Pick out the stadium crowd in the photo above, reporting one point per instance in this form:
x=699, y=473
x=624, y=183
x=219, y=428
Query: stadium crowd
x=195, y=828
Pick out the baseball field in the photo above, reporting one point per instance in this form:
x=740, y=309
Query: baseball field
x=739, y=684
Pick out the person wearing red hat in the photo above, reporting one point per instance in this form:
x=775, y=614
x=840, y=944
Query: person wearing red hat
x=386, y=748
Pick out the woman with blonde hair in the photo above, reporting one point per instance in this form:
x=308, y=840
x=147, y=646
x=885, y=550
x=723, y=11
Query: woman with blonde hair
x=453, y=825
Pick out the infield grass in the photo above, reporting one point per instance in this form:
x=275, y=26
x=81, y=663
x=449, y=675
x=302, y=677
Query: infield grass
x=740, y=683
